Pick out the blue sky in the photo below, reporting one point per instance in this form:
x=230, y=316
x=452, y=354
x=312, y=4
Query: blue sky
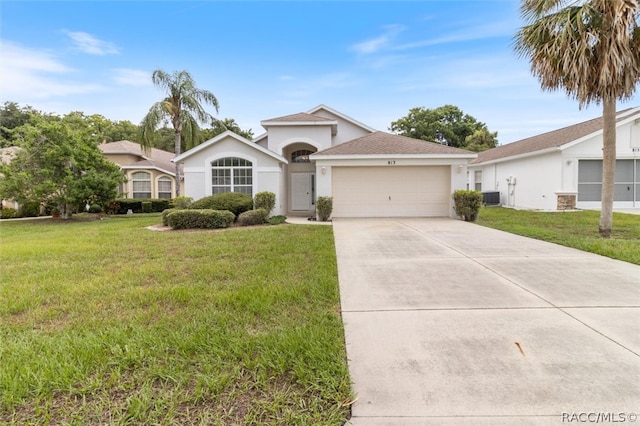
x=370, y=60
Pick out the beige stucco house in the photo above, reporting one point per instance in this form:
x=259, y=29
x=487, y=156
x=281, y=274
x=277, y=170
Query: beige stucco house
x=149, y=173
x=323, y=152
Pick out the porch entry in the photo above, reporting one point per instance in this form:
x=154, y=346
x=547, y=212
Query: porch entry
x=303, y=188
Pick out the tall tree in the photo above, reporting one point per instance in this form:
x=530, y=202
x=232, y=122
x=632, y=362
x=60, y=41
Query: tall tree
x=481, y=140
x=221, y=126
x=58, y=165
x=183, y=107
x=591, y=49
x=446, y=125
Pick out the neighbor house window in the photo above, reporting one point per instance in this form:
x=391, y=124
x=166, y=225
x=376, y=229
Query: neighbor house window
x=232, y=174
x=301, y=156
x=141, y=182
x=477, y=178
x=165, y=187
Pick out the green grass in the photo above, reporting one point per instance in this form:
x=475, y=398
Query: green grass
x=572, y=229
x=106, y=322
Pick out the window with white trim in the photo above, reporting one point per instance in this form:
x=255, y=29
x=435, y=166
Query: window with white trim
x=232, y=174
x=165, y=187
x=477, y=178
x=141, y=184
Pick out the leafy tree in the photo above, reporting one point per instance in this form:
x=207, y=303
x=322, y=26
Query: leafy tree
x=221, y=126
x=13, y=116
x=446, y=125
x=121, y=131
x=591, y=49
x=481, y=140
x=58, y=165
x=183, y=107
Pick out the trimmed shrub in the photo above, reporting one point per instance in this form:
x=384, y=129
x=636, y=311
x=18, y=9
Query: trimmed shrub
x=264, y=200
x=200, y=219
x=467, y=204
x=95, y=208
x=235, y=202
x=30, y=209
x=181, y=202
x=276, y=220
x=146, y=207
x=135, y=204
x=253, y=217
x=324, y=207
x=165, y=214
x=8, y=213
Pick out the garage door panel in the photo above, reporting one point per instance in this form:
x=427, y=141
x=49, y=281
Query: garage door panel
x=391, y=191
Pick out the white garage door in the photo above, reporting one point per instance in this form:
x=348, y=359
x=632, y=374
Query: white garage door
x=418, y=191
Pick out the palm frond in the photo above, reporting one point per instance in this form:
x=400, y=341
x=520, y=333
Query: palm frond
x=150, y=124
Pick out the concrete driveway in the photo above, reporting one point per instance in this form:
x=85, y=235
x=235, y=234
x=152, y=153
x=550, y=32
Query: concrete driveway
x=451, y=323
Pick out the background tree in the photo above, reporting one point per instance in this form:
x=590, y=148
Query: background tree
x=183, y=107
x=58, y=165
x=446, y=125
x=481, y=140
x=591, y=49
x=221, y=126
x=13, y=116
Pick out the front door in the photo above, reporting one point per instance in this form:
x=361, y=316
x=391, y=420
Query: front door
x=302, y=191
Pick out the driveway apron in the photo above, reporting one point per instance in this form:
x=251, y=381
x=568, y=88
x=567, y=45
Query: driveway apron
x=452, y=323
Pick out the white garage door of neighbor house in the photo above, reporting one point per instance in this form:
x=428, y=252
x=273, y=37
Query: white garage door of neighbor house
x=417, y=191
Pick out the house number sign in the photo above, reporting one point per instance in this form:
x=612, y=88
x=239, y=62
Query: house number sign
x=391, y=162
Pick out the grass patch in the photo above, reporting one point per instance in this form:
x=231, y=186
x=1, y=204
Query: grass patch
x=572, y=229
x=106, y=322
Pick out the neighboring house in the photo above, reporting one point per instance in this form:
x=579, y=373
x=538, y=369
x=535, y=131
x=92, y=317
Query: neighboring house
x=325, y=153
x=149, y=173
x=562, y=169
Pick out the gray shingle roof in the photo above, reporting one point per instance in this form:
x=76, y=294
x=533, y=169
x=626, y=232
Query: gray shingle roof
x=301, y=117
x=381, y=143
x=553, y=139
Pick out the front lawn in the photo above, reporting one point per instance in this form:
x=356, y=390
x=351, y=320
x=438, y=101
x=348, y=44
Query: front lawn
x=573, y=229
x=106, y=322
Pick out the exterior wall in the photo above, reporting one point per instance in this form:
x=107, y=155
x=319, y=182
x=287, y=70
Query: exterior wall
x=346, y=130
x=538, y=179
x=123, y=159
x=324, y=171
x=267, y=171
x=155, y=175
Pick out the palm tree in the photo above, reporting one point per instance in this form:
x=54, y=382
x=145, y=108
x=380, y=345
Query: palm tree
x=183, y=106
x=591, y=49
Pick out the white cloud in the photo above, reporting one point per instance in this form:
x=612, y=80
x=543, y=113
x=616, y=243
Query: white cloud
x=87, y=43
x=494, y=29
x=36, y=74
x=131, y=77
x=378, y=43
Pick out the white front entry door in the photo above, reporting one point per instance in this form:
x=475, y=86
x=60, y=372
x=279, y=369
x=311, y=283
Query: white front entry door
x=302, y=191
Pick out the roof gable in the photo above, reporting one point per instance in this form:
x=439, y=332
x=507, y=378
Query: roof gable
x=160, y=159
x=554, y=139
x=203, y=146
x=381, y=143
x=314, y=115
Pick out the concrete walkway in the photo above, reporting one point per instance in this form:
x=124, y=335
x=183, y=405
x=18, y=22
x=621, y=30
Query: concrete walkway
x=451, y=323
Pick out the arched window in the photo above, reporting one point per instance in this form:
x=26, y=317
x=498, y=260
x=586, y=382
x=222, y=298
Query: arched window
x=232, y=174
x=141, y=184
x=165, y=189
x=301, y=156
